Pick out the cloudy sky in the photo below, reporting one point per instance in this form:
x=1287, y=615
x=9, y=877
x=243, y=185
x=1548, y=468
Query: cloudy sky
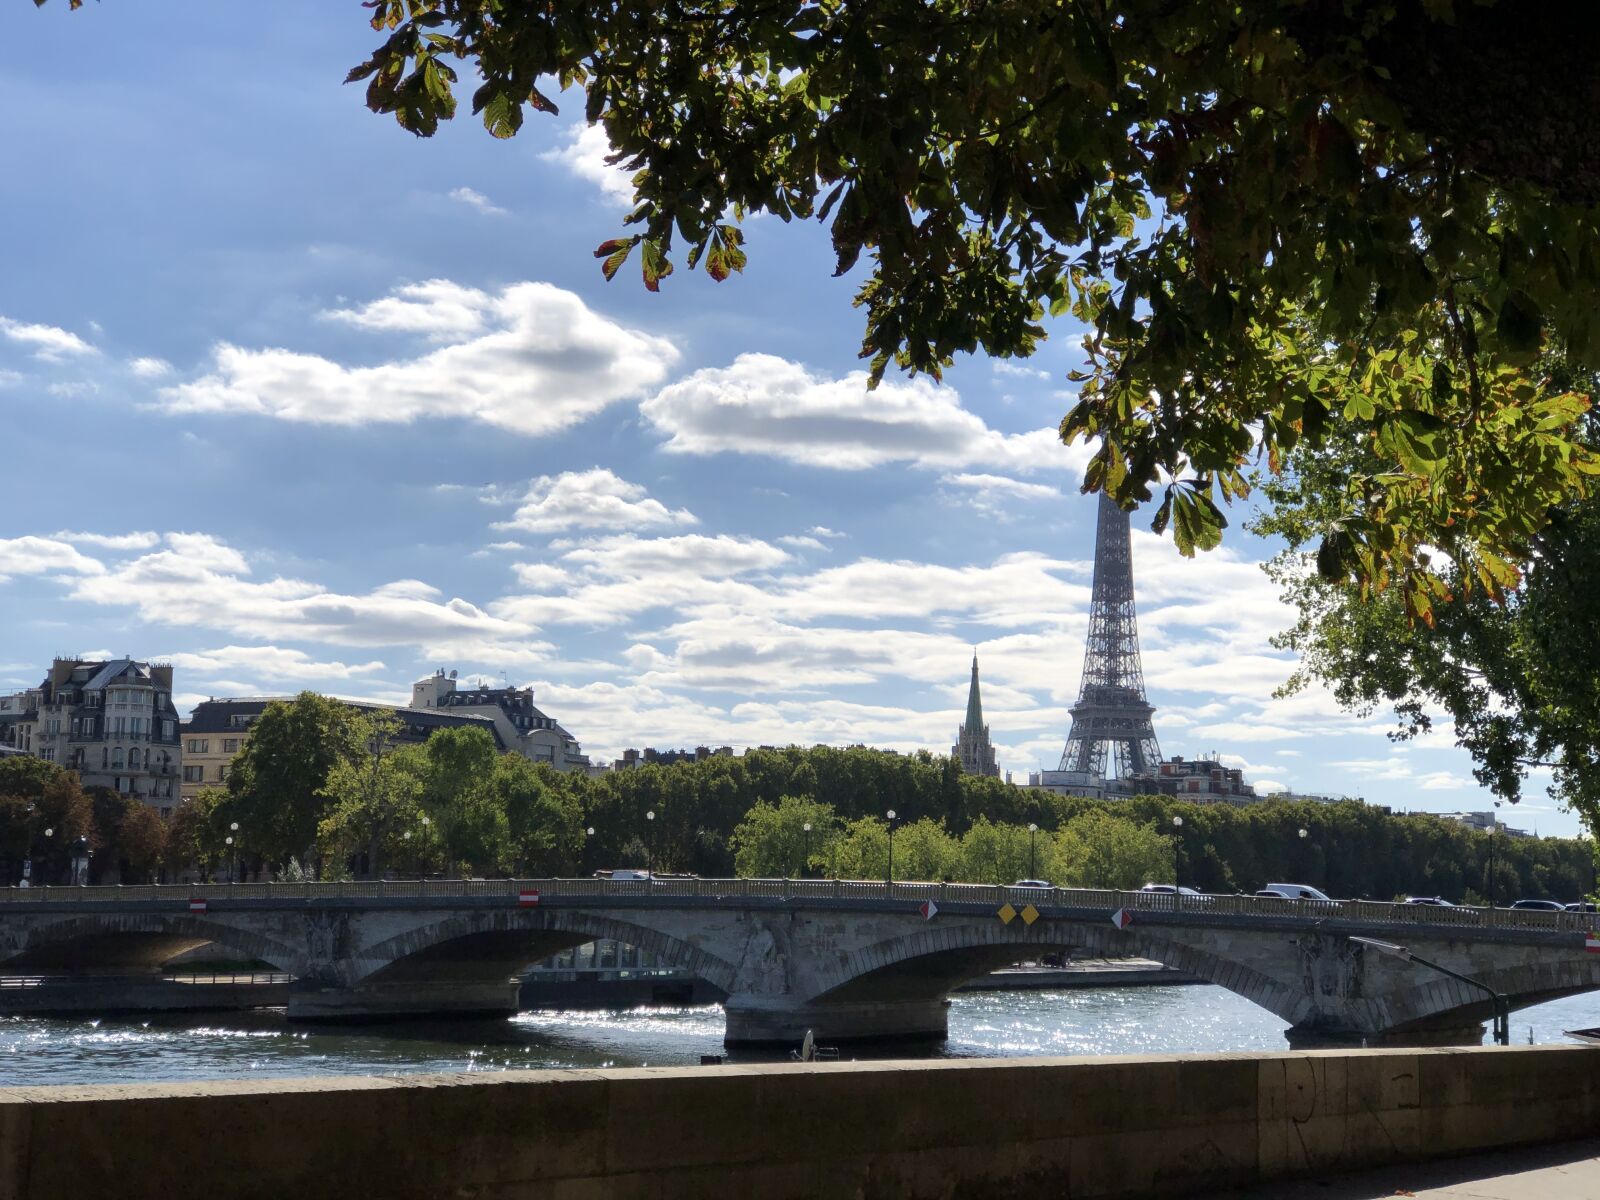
x=293, y=399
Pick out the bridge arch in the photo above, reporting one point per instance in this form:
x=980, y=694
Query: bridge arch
x=1435, y=1000
x=492, y=944
x=108, y=943
x=930, y=962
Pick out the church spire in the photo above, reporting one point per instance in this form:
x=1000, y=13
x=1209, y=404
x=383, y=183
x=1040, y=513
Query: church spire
x=972, y=747
x=974, y=704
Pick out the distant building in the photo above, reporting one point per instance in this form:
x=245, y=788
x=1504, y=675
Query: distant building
x=1483, y=821
x=521, y=725
x=973, y=747
x=217, y=729
x=650, y=755
x=112, y=721
x=1199, y=780
x=1312, y=798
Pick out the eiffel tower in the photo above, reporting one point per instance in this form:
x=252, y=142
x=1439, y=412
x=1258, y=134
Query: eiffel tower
x=1111, y=711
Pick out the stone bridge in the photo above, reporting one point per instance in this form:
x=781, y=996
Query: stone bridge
x=846, y=959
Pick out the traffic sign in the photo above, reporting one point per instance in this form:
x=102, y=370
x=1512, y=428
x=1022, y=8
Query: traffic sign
x=528, y=897
x=197, y=906
x=929, y=910
x=1029, y=915
x=1591, y=942
x=1122, y=918
x=1007, y=914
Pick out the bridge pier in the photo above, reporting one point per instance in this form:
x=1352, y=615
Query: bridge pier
x=779, y=1021
x=310, y=1000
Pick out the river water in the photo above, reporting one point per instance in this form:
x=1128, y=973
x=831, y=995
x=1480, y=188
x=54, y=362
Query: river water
x=1135, y=1020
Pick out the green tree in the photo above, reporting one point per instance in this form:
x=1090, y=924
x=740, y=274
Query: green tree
x=1267, y=213
x=1100, y=850
x=772, y=842
x=1001, y=854
x=542, y=822
x=374, y=799
x=277, y=785
x=194, y=835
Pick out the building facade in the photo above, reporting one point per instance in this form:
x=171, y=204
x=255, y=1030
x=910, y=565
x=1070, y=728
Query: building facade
x=216, y=732
x=650, y=756
x=522, y=727
x=973, y=749
x=1200, y=780
x=112, y=721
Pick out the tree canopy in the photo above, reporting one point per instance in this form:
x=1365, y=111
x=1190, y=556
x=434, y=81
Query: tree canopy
x=1281, y=220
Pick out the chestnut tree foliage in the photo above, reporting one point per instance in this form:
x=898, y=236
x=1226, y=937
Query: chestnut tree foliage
x=1283, y=220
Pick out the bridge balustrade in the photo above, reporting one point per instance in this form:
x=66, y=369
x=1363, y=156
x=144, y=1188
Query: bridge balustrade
x=1367, y=912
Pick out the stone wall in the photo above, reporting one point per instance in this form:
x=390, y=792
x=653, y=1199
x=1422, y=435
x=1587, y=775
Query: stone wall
x=1083, y=1128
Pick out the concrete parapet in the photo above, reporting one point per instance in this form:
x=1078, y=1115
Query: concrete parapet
x=1080, y=1128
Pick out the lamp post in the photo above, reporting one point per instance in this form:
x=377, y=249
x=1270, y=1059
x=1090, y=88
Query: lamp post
x=650, y=844
x=1494, y=829
x=891, y=847
x=80, y=861
x=1177, y=851
x=805, y=856
x=27, y=867
x=1032, y=830
x=410, y=858
x=234, y=842
x=1502, y=1005
x=232, y=858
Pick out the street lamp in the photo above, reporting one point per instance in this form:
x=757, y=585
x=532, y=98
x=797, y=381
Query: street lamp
x=1502, y=1005
x=1494, y=828
x=234, y=826
x=1177, y=849
x=80, y=861
x=805, y=857
x=891, y=847
x=1032, y=829
x=650, y=848
x=233, y=860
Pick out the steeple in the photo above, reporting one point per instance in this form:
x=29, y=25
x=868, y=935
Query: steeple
x=974, y=704
x=972, y=747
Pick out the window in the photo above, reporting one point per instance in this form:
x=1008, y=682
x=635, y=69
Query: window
x=167, y=732
x=198, y=746
x=116, y=757
x=89, y=724
x=48, y=754
x=136, y=726
x=118, y=724
x=222, y=772
x=230, y=745
x=194, y=774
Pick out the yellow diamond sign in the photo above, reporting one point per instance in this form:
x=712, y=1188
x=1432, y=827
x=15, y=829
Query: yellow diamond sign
x=1007, y=914
x=1029, y=915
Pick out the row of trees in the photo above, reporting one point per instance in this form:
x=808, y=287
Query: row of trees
x=44, y=810
x=322, y=787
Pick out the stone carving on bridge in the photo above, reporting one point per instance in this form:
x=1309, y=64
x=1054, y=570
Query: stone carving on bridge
x=1331, y=967
x=763, y=967
x=327, y=941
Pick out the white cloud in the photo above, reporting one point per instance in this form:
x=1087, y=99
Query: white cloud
x=997, y=486
x=803, y=542
x=267, y=662
x=1016, y=370
x=477, y=200
x=150, y=368
x=593, y=499
x=822, y=531
x=532, y=359
x=762, y=404
x=45, y=342
x=43, y=556
x=584, y=154
x=111, y=541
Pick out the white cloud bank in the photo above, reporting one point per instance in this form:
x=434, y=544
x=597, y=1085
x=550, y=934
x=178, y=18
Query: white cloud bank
x=762, y=404
x=532, y=359
x=473, y=198
x=593, y=499
x=584, y=155
x=45, y=342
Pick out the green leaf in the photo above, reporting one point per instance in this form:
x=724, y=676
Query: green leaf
x=1519, y=323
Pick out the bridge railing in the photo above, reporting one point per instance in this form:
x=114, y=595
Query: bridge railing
x=1366, y=912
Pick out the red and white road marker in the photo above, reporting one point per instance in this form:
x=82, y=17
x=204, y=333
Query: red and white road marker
x=1591, y=942
x=197, y=906
x=1122, y=918
x=928, y=909
x=528, y=897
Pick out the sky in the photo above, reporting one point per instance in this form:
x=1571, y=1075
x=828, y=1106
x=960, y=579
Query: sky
x=293, y=399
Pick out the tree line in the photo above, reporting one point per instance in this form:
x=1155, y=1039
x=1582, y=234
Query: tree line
x=322, y=789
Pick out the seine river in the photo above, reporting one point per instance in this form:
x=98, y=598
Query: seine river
x=1136, y=1020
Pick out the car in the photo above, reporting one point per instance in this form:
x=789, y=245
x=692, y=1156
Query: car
x=1437, y=901
x=628, y=873
x=1168, y=889
x=1539, y=906
x=1033, y=883
x=1293, y=891
x=1583, y=906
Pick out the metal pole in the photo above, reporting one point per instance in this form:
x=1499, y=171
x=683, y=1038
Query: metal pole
x=1501, y=1004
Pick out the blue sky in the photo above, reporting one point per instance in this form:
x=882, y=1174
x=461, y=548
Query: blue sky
x=294, y=399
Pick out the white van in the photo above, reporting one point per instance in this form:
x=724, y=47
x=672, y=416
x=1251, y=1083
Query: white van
x=1292, y=891
x=620, y=874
